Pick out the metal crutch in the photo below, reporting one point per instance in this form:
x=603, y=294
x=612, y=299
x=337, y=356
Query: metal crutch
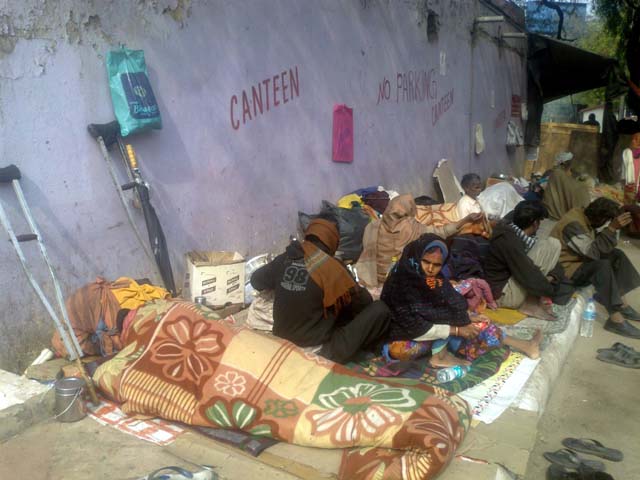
x=70, y=341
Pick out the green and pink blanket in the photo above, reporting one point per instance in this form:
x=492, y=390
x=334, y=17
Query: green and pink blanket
x=183, y=363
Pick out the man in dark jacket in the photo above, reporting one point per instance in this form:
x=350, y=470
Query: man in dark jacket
x=518, y=263
x=591, y=257
x=317, y=302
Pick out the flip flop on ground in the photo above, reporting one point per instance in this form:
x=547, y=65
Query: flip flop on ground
x=622, y=358
x=572, y=461
x=556, y=472
x=621, y=346
x=593, y=447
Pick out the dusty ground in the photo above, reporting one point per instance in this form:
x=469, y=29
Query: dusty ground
x=43, y=453
x=592, y=399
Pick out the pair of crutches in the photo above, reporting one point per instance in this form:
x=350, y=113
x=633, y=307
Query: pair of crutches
x=11, y=174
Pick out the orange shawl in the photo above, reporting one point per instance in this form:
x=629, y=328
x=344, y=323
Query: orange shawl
x=328, y=273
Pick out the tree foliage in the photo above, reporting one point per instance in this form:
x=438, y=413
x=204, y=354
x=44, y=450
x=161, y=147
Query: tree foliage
x=619, y=17
x=597, y=39
x=622, y=20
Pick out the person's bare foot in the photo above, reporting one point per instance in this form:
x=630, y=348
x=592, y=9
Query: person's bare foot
x=444, y=359
x=532, y=347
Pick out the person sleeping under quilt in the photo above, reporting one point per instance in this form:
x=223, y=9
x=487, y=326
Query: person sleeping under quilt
x=181, y=362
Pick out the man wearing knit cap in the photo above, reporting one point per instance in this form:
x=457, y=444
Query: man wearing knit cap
x=317, y=301
x=563, y=192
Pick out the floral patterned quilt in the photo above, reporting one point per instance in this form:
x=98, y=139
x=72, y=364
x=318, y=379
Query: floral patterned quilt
x=182, y=362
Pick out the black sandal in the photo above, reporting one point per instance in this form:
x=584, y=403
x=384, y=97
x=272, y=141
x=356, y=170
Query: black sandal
x=593, y=447
x=621, y=346
x=622, y=358
x=572, y=461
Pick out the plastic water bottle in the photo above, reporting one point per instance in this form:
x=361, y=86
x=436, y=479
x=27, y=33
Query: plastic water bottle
x=445, y=375
x=588, y=318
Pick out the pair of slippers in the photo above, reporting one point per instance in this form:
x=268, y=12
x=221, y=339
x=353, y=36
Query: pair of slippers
x=621, y=355
x=567, y=464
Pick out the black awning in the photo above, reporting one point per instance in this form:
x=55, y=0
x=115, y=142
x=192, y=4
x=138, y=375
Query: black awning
x=560, y=69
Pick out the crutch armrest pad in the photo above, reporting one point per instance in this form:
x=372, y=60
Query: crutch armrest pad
x=108, y=131
x=10, y=173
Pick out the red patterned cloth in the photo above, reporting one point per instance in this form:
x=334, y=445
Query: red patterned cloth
x=182, y=363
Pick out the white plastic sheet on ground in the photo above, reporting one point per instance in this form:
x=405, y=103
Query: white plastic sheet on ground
x=498, y=402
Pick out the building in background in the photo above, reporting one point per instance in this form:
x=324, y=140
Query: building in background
x=543, y=19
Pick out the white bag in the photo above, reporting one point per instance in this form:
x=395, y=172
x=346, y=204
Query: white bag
x=260, y=316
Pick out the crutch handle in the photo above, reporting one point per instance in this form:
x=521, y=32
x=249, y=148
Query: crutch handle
x=131, y=155
x=26, y=237
x=9, y=174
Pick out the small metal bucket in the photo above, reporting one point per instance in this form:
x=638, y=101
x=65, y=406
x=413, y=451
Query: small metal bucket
x=69, y=405
x=201, y=300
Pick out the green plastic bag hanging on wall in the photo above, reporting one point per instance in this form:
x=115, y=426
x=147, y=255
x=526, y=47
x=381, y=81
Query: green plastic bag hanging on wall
x=133, y=100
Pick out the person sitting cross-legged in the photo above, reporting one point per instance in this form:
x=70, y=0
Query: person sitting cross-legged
x=589, y=257
x=428, y=316
x=519, y=264
x=317, y=301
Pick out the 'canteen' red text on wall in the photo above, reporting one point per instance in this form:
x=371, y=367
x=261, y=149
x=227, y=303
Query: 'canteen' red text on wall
x=270, y=93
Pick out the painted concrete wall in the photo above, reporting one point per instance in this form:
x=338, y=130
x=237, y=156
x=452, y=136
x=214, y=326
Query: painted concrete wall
x=216, y=186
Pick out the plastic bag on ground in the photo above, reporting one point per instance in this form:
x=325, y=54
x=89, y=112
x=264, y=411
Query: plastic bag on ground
x=351, y=223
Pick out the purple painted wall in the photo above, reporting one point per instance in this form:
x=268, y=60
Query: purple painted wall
x=216, y=186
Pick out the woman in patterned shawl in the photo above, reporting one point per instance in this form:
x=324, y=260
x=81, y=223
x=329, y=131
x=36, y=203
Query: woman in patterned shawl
x=429, y=316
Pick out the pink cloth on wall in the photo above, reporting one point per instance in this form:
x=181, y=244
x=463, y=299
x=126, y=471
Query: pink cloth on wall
x=342, y=134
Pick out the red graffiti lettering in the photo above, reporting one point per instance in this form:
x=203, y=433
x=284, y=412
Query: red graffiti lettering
x=294, y=82
x=398, y=86
x=256, y=99
x=234, y=123
x=266, y=89
x=405, y=88
x=411, y=86
x=284, y=87
x=246, y=112
x=384, y=90
x=441, y=107
x=410, y=75
x=278, y=90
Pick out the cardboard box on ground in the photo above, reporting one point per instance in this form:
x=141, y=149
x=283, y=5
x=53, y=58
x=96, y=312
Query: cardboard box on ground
x=217, y=276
